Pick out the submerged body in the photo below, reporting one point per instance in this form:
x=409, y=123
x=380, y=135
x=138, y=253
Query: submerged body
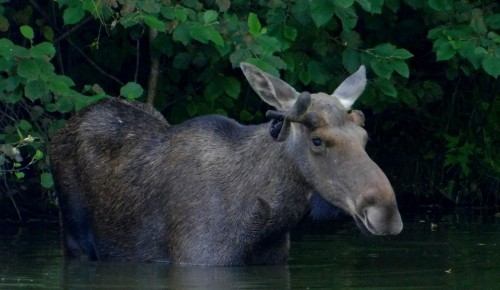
x=208, y=191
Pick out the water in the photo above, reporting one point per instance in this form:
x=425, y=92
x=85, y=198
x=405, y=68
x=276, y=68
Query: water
x=456, y=253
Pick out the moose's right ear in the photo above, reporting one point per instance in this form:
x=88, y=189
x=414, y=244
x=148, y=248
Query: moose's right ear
x=351, y=88
x=271, y=90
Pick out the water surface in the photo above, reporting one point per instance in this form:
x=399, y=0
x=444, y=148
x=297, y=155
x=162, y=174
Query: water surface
x=457, y=252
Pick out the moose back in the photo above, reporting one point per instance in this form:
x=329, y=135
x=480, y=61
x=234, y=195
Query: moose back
x=212, y=191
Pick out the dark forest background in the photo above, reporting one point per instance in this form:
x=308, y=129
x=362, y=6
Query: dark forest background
x=432, y=103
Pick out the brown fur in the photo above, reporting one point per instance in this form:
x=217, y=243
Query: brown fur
x=208, y=191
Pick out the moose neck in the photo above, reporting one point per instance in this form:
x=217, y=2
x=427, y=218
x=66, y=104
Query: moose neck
x=274, y=176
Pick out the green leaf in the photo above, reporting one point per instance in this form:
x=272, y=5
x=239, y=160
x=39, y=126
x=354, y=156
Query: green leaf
x=73, y=15
x=493, y=21
x=347, y=16
x=491, y=65
x=382, y=68
x=254, y=26
x=264, y=65
x=385, y=49
x=431, y=92
x=4, y=24
x=227, y=102
x=267, y=45
x=351, y=59
x=305, y=77
x=43, y=49
x=36, y=89
x=38, y=155
x=149, y=6
x=436, y=32
x=318, y=72
x=48, y=33
x=64, y=104
x=351, y=38
x=46, y=180
x=401, y=67
x=82, y=101
x=365, y=4
x=27, y=32
x=441, y=5
x=246, y=116
x=182, y=60
x=181, y=14
x=477, y=21
x=181, y=34
x=445, y=52
x=290, y=33
x=155, y=23
x=376, y=6
x=221, y=112
x=131, y=90
x=239, y=56
x=14, y=96
x=402, y=53
x=210, y=16
x=58, y=86
x=344, y=3
x=19, y=175
x=468, y=51
x=232, y=87
x=192, y=109
x=11, y=83
x=168, y=12
x=28, y=69
x=321, y=11
x=205, y=34
x=393, y=5
x=407, y=97
x=387, y=87
x=24, y=125
x=7, y=48
x=213, y=90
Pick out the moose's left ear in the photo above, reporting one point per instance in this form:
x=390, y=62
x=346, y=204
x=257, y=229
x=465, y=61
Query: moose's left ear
x=271, y=90
x=351, y=88
x=280, y=126
x=357, y=117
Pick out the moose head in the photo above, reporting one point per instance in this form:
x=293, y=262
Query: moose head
x=326, y=140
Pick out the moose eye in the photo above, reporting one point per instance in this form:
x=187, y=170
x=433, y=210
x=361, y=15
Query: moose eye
x=317, y=141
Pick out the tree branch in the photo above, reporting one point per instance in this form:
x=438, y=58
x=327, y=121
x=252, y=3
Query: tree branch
x=154, y=71
x=89, y=60
x=72, y=30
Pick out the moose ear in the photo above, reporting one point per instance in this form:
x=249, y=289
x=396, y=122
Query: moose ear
x=272, y=90
x=280, y=125
x=280, y=129
x=357, y=117
x=351, y=88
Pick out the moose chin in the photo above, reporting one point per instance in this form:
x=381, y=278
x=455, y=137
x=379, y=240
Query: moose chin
x=211, y=191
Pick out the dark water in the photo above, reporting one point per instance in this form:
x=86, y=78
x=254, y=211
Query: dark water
x=456, y=253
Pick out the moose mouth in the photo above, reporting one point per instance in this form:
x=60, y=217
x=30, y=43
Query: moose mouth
x=364, y=225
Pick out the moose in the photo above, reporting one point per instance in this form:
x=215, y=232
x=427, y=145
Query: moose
x=211, y=191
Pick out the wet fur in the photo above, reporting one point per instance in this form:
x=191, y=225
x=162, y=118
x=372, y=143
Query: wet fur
x=208, y=191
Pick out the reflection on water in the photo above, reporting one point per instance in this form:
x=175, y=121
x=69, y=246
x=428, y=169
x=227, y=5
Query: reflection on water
x=454, y=253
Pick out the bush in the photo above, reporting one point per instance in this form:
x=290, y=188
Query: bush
x=432, y=97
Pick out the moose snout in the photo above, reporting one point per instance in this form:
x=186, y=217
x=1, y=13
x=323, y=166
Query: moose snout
x=382, y=220
x=378, y=212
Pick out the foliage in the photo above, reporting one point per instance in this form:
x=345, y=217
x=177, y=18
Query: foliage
x=432, y=97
